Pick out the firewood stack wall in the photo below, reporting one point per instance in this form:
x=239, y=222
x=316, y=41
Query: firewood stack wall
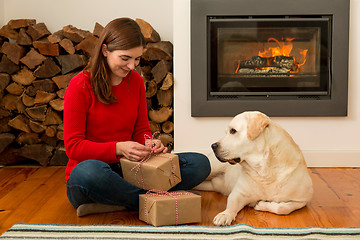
x=36, y=67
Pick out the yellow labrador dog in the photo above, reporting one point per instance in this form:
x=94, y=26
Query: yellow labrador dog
x=271, y=175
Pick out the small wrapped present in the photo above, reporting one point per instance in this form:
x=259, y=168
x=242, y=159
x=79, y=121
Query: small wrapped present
x=169, y=208
x=160, y=171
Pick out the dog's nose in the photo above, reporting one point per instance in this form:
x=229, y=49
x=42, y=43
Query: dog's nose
x=214, y=146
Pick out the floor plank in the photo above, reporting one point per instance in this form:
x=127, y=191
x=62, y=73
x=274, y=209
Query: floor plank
x=38, y=195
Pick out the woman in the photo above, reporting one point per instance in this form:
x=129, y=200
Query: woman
x=105, y=118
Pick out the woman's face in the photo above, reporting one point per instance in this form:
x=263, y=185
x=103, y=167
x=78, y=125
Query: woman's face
x=121, y=62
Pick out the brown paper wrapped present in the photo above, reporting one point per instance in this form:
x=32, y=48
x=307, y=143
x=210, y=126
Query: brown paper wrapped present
x=161, y=172
x=170, y=208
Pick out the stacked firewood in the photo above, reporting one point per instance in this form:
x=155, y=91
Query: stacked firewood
x=36, y=67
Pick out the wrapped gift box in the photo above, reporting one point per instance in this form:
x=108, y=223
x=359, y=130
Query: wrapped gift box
x=174, y=208
x=161, y=172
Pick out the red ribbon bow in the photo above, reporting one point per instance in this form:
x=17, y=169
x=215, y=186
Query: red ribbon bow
x=145, y=159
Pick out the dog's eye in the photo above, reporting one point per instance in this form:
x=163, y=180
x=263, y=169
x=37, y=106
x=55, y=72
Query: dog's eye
x=232, y=131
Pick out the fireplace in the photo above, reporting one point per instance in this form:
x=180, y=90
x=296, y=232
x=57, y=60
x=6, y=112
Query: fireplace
x=269, y=57
x=278, y=57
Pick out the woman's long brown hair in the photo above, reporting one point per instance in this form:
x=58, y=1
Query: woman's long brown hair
x=119, y=34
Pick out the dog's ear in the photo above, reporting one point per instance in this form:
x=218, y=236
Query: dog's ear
x=256, y=123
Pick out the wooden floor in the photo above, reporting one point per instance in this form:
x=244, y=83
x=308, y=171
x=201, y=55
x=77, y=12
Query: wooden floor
x=38, y=195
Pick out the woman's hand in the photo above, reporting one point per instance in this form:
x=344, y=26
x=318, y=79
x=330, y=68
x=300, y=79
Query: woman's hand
x=133, y=151
x=156, y=145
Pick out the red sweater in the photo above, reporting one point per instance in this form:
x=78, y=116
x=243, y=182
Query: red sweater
x=91, y=128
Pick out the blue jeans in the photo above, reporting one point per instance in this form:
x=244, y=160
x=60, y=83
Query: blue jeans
x=95, y=181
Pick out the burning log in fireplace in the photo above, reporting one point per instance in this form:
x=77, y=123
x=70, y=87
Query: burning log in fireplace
x=257, y=62
x=272, y=60
x=270, y=65
x=35, y=69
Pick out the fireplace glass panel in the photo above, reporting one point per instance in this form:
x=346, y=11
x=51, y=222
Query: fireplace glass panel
x=269, y=56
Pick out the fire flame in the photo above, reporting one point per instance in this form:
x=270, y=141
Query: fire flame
x=303, y=53
x=284, y=48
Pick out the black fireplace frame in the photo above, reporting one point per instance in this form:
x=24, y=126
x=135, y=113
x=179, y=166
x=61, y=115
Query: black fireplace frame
x=334, y=105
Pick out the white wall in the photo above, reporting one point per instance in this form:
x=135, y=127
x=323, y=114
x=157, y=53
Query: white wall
x=2, y=12
x=84, y=14
x=325, y=141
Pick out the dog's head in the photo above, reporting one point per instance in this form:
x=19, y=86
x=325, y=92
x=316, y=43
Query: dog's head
x=240, y=137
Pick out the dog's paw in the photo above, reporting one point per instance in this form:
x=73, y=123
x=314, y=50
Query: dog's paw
x=281, y=208
x=262, y=206
x=223, y=219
